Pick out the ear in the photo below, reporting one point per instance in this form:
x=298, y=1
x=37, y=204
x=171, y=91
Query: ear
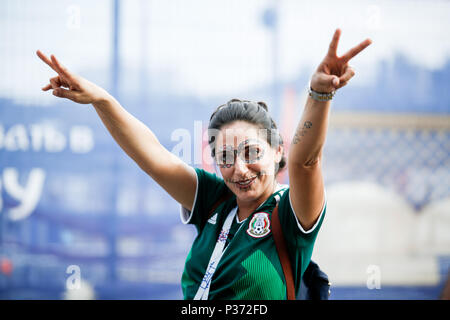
x=279, y=154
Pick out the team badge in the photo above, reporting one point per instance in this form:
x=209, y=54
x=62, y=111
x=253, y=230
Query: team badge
x=259, y=226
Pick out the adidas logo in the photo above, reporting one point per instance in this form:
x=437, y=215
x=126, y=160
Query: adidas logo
x=213, y=219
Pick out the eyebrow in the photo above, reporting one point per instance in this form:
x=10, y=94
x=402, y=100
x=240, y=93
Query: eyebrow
x=245, y=142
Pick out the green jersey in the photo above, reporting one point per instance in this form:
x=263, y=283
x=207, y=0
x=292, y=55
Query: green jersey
x=249, y=267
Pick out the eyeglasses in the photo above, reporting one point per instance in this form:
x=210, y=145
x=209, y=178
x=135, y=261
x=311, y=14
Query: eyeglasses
x=249, y=151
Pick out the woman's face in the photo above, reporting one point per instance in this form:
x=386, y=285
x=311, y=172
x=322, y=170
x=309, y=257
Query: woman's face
x=246, y=160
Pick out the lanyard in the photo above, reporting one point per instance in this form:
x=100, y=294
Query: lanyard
x=203, y=289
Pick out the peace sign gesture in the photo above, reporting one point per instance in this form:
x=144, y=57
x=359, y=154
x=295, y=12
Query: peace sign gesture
x=334, y=72
x=78, y=89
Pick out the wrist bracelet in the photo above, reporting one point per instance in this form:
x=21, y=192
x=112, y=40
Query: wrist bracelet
x=321, y=96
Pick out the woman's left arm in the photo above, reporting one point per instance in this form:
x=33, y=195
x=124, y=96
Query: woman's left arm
x=305, y=152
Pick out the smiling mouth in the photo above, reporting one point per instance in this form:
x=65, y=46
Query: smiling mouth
x=245, y=183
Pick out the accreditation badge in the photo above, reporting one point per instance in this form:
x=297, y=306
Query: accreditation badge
x=259, y=225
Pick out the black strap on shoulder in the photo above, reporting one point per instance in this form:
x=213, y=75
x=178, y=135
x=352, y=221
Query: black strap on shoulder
x=280, y=244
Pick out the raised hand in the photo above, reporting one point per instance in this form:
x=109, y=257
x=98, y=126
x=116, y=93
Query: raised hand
x=71, y=86
x=334, y=72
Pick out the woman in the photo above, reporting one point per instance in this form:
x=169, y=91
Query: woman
x=234, y=256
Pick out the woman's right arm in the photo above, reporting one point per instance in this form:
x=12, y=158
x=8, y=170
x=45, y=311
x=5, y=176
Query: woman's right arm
x=134, y=137
x=141, y=144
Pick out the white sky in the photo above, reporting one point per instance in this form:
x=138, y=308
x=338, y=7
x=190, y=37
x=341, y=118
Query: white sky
x=208, y=48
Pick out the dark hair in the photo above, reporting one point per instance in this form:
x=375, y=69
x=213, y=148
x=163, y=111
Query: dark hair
x=252, y=112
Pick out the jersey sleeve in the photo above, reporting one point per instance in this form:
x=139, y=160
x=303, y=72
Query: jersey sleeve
x=298, y=240
x=209, y=189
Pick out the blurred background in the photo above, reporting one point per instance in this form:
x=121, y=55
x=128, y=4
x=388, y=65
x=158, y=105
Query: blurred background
x=80, y=220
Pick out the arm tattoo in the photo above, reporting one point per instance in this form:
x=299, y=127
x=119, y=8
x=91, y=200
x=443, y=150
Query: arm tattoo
x=301, y=133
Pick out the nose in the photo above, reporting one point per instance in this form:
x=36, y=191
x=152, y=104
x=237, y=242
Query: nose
x=240, y=167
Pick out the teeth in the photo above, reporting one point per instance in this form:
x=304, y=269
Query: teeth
x=245, y=181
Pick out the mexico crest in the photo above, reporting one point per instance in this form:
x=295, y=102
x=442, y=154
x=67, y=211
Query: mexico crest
x=259, y=226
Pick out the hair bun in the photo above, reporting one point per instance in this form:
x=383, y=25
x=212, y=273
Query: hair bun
x=259, y=103
x=264, y=105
